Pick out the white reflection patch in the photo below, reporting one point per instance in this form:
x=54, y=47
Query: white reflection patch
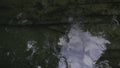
x=31, y=46
x=38, y=66
x=82, y=50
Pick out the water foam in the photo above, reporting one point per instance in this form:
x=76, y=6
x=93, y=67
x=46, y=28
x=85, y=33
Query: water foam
x=82, y=50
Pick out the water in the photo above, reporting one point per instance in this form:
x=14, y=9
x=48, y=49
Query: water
x=103, y=64
x=81, y=49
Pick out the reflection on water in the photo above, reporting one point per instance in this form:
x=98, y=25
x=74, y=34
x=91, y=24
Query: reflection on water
x=38, y=66
x=31, y=46
x=82, y=50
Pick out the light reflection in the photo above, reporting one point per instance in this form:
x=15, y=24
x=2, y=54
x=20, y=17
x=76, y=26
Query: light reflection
x=31, y=46
x=82, y=50
x=38, y=66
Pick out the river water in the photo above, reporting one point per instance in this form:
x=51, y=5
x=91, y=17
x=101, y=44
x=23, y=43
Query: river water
x=45, y=48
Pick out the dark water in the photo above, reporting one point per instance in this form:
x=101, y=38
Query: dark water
x=38, y=34
x=28, y=48
x=42, y=48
